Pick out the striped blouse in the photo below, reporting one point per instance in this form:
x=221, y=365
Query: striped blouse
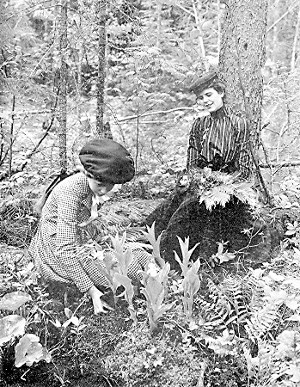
x=220, y=140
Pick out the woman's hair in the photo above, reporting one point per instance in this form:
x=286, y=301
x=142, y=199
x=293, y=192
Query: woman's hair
x=57, y=179
x=218, y=86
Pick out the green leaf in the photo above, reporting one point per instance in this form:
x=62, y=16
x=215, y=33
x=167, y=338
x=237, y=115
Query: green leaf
x=12, y=301
x=10, y=327
x=29, y=351
x=226, y=257
x=186, y=254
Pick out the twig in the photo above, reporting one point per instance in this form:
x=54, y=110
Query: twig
x=280, y=165
x=31, y=153
x=32, y=112
x=11, y=135
x=128, y=118
x=282, y=16
x=185, y=10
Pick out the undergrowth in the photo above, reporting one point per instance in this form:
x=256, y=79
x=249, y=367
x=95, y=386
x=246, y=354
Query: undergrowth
x=190, y=328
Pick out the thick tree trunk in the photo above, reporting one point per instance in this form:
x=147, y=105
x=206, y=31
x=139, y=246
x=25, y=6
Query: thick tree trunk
x=63, y=74
x=101, y=129
x=242, y=57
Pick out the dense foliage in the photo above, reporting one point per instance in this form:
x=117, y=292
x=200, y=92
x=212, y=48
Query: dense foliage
x=229, y=326
x=154, y=50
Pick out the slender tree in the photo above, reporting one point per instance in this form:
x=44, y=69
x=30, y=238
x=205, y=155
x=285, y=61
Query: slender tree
x=63, y=74
x=103, y=130
x=295, y=44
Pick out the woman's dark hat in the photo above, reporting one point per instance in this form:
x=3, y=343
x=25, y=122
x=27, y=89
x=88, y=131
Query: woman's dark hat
x=107, y=161
x=204, y=82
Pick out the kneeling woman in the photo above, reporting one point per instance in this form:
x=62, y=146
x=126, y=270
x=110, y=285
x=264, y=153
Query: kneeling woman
x=56, y=245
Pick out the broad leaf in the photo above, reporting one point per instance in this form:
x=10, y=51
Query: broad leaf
x=29, y=351
x=12, y=301
x=10, y=327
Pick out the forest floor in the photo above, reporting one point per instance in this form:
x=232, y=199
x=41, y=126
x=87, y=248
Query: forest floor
x=238, y=315
x=205, y=349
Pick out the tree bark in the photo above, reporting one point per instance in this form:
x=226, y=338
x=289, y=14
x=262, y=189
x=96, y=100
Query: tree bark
x=63, y=74
x=101, y=129
x=242, y=57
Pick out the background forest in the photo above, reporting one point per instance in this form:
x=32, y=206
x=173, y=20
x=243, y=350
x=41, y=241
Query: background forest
x=72, y=70
x=153, y=51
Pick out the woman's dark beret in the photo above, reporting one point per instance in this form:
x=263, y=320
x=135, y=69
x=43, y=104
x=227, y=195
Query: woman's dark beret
x=107, y=161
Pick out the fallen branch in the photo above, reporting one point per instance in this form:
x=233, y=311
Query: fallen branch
x=280, y=165
x=128, y=118
x=27, y=113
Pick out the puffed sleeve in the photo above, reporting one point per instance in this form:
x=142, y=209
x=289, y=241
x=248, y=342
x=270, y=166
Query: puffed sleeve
x=243, y=156
x=67, y=239
x=193, y=151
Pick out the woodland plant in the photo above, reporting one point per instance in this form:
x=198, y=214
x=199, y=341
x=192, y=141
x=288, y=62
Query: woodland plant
x=31, y=326
x=189, y=270
x=116, y=271
x=217, y=188
x=258, y=311
x=155, y=288
x=28, y=349
x=155, y=243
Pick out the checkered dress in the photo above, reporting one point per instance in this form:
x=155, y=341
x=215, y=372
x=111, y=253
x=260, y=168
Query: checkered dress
x=56, y=247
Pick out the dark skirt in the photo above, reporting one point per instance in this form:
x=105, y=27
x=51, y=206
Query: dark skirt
x=182, y=215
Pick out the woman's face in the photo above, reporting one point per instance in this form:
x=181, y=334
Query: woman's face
x=210, y=99
x=99, y=188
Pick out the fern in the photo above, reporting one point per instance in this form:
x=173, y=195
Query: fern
x=234, y=289
x=213, y=316
x=261, y=321
x=238, y=302
x=217, y=188
x=256, y=290
x=227, y=304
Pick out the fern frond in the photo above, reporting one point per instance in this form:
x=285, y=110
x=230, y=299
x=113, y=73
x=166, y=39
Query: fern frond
x=213, y=316
x=256, y=289
x=261, y=321
x=239, y=299
x=217, y=188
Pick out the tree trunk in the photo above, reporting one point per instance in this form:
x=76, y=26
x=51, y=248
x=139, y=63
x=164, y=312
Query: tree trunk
x=101, y=129
x=242, y=57
x=295, y=44
x=63, y=74
x=158, y=17
x=197, y=5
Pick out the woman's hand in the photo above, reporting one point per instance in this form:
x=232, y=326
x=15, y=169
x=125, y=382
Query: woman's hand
x=99, y=305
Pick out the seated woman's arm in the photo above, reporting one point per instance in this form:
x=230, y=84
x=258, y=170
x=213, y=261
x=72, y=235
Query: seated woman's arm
x=243, y=156
x=193, y=151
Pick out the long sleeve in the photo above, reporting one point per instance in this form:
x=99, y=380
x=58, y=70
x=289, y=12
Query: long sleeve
x=67, y=240
x=195, y=143
x=243, y=156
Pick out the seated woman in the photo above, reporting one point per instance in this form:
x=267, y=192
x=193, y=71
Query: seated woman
x=68, y=208
x=219, y=140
